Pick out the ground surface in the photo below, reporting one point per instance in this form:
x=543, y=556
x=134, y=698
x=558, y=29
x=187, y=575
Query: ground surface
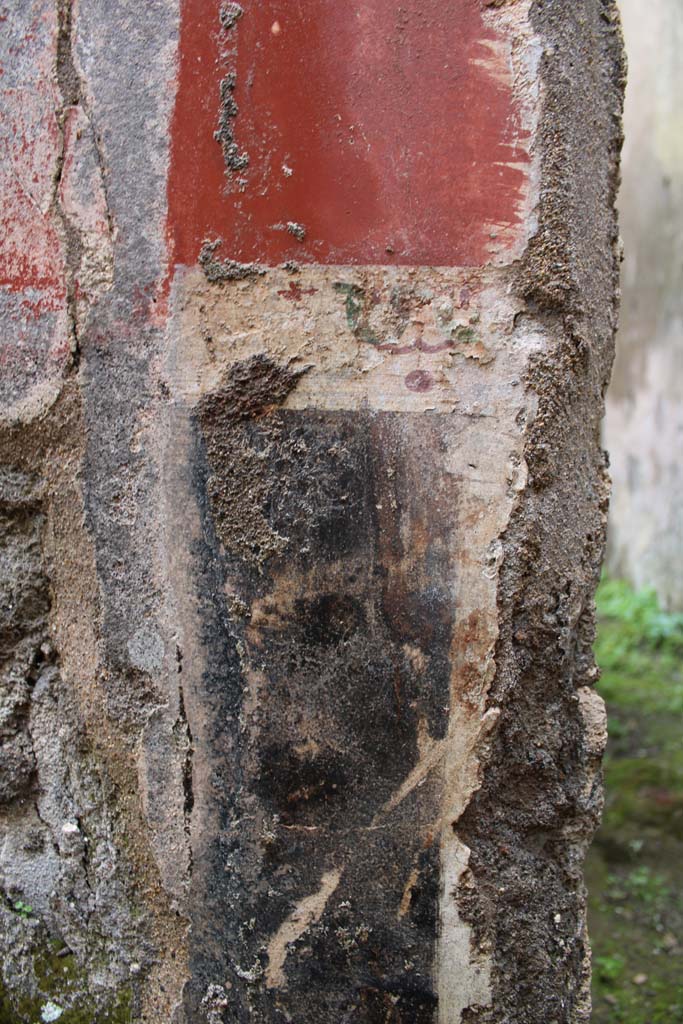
x=635, y=868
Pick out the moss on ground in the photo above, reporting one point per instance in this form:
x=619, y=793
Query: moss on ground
x=635, y=868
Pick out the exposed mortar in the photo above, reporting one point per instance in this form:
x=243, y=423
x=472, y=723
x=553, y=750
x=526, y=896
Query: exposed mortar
x=297, y=230
x=235, y=160
x=225, y=270
x=540, y=800
x=230, y=14
x=249, y=388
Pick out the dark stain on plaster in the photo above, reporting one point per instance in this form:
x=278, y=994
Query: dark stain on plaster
x=317, y=700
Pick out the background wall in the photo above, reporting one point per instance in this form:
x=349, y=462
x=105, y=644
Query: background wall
x=644, y=423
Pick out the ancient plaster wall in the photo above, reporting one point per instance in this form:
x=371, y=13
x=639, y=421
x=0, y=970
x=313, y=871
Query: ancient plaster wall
x=297, y=715
x=644, y=422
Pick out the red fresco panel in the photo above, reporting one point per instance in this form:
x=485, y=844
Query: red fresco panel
x=387, y=130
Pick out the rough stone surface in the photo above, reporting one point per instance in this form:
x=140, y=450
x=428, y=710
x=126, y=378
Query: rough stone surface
x=296, y=716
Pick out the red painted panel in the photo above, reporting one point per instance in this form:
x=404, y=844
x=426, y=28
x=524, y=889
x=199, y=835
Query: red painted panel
x=387, y=129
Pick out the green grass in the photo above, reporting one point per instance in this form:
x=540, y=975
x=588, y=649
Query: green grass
x=639, y=650
x=635, y=868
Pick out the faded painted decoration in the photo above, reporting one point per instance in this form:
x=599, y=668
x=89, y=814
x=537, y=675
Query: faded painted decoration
x=295, y=705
